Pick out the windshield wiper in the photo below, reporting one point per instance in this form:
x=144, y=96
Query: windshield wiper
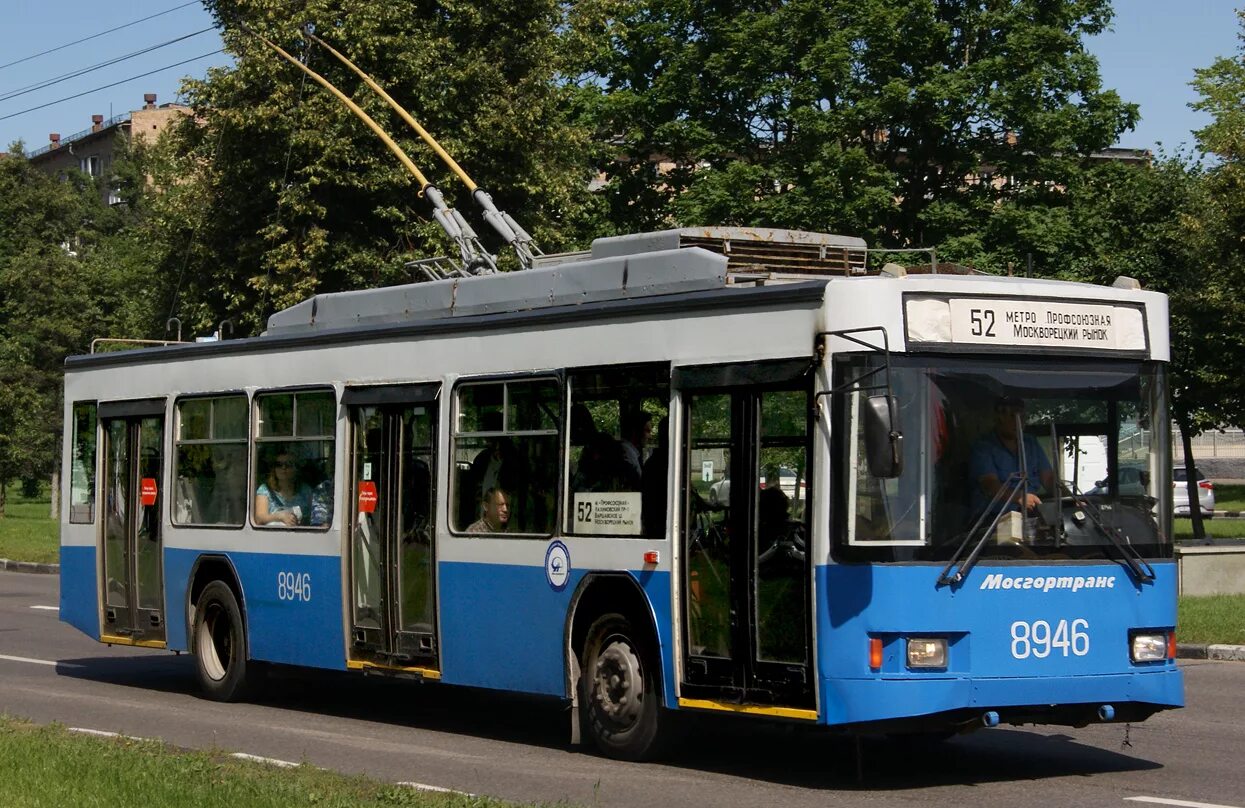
x=1141, y=569
x=1006, y=491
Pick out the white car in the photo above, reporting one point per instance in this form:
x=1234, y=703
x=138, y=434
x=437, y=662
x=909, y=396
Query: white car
x=720, y=492
x=1180, y=493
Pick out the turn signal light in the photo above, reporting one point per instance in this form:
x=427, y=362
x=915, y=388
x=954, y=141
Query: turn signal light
x=1171, y=645
x=875, y=653
x=652, y=557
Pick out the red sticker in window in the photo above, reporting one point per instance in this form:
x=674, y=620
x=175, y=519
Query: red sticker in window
x=147, y=491
x=367, y=496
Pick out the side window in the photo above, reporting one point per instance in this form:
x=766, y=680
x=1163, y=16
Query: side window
x=294, y=453
x=619, y=451
x=209, y=459
x=82, y=468
x=505, y=457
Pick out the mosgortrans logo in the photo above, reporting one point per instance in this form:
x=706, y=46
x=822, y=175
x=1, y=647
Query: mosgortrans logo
x=1047, y=583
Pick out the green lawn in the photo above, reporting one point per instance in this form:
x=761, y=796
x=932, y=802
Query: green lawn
x=49, y=766
x=1214, y=619
x=1215, y=529
x=26, y=531
x=1229, y=497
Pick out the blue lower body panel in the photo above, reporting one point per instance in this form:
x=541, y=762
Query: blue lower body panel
x=292, y=603
x=79, y=605
x=1050, y=642
x=503, y=626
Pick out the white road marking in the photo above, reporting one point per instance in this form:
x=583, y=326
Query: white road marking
x=99, y=732
x=47, y=608
x=437, y=789
x=284, y=764
x=50, y=662
x=1178, y=803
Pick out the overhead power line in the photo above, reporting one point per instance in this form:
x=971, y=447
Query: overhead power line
x=30, y=88
x=96, y=36
x=113, y=84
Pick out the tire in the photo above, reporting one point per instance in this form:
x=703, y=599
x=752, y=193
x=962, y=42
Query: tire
x=619, y=691
x=225, y=674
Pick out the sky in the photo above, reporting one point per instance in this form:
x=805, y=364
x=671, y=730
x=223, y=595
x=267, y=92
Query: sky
x=1149, y=57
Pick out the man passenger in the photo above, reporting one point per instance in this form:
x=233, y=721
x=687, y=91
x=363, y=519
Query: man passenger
x=495, y=513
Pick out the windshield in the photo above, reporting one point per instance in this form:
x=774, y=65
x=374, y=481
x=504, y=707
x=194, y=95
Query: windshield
x=1036, y=460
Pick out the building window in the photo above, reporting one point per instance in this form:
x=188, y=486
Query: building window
x=210, y=462
x=294, y=454
x=92, y=165
x=82, y=465
x=506, y=457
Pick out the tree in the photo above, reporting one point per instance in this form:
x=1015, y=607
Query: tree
x=273, y=191
x=910, y=123
x=64, y=279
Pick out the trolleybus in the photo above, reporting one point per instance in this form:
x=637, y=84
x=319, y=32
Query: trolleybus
x=720, y=470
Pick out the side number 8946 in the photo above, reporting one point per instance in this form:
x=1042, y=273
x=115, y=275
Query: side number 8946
x=1038, y=639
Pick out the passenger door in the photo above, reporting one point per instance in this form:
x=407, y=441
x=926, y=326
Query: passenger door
x=746, y=567
x=393, y=554
x=133, y=574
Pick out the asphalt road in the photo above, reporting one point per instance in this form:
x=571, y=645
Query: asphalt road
x=517, y=748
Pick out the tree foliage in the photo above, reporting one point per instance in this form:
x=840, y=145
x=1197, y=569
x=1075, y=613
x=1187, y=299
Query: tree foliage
x=863, y=117
x=275, y=191
x=71, y=269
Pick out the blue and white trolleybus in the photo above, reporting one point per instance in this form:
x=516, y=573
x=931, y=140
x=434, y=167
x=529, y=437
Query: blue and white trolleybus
x=720, y=469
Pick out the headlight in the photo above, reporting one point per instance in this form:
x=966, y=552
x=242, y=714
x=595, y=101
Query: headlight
x=927, y=652
x=1150, y=647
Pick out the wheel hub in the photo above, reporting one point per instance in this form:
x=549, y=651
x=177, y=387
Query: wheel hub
x=618, y=683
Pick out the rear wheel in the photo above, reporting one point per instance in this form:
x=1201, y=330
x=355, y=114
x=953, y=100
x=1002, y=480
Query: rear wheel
x=224, y=672
x=619, y=691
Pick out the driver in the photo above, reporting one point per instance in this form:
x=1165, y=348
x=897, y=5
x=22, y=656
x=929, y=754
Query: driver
x=996, y=457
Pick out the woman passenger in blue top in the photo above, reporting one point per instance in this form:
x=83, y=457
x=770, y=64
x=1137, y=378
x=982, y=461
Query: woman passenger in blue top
x=996, y=457
x=281, y=500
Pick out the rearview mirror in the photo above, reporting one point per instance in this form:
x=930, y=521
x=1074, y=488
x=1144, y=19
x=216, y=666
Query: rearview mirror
x=883, y=439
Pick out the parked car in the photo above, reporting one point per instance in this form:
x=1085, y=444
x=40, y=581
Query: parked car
x=720, y=492
x=1180, y=493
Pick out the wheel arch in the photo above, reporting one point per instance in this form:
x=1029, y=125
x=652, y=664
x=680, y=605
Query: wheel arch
x=599, y=593
x=214, y=567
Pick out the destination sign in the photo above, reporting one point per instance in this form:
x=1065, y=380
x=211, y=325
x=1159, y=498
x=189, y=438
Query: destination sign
x=1008, y=322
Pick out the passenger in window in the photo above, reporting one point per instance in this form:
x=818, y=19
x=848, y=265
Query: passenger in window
x=603, y=467
x=497, y=464
x=495, y=513
x=227, y=504
x=322, y=503
x=636, y=427
x=281, y=499
x=653, y=493
x=583, y=427
x=995, y=461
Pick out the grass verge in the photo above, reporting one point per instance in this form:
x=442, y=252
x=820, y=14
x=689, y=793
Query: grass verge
x=27, y=533
x=1229, y=497
x=1212, y=619
x=50, y=766
x=1215, y=528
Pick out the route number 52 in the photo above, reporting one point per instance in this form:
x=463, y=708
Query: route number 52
x=982, y=322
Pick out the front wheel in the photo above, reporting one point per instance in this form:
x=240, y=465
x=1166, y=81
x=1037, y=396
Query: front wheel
x=224, y=672
x=618, y=691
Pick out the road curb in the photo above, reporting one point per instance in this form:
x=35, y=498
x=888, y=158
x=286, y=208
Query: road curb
x=29, y=566
x=1232, y=653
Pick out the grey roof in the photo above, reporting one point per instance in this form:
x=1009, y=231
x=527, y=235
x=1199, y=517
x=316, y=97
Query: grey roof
x=633, y=266
x=644, y=275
